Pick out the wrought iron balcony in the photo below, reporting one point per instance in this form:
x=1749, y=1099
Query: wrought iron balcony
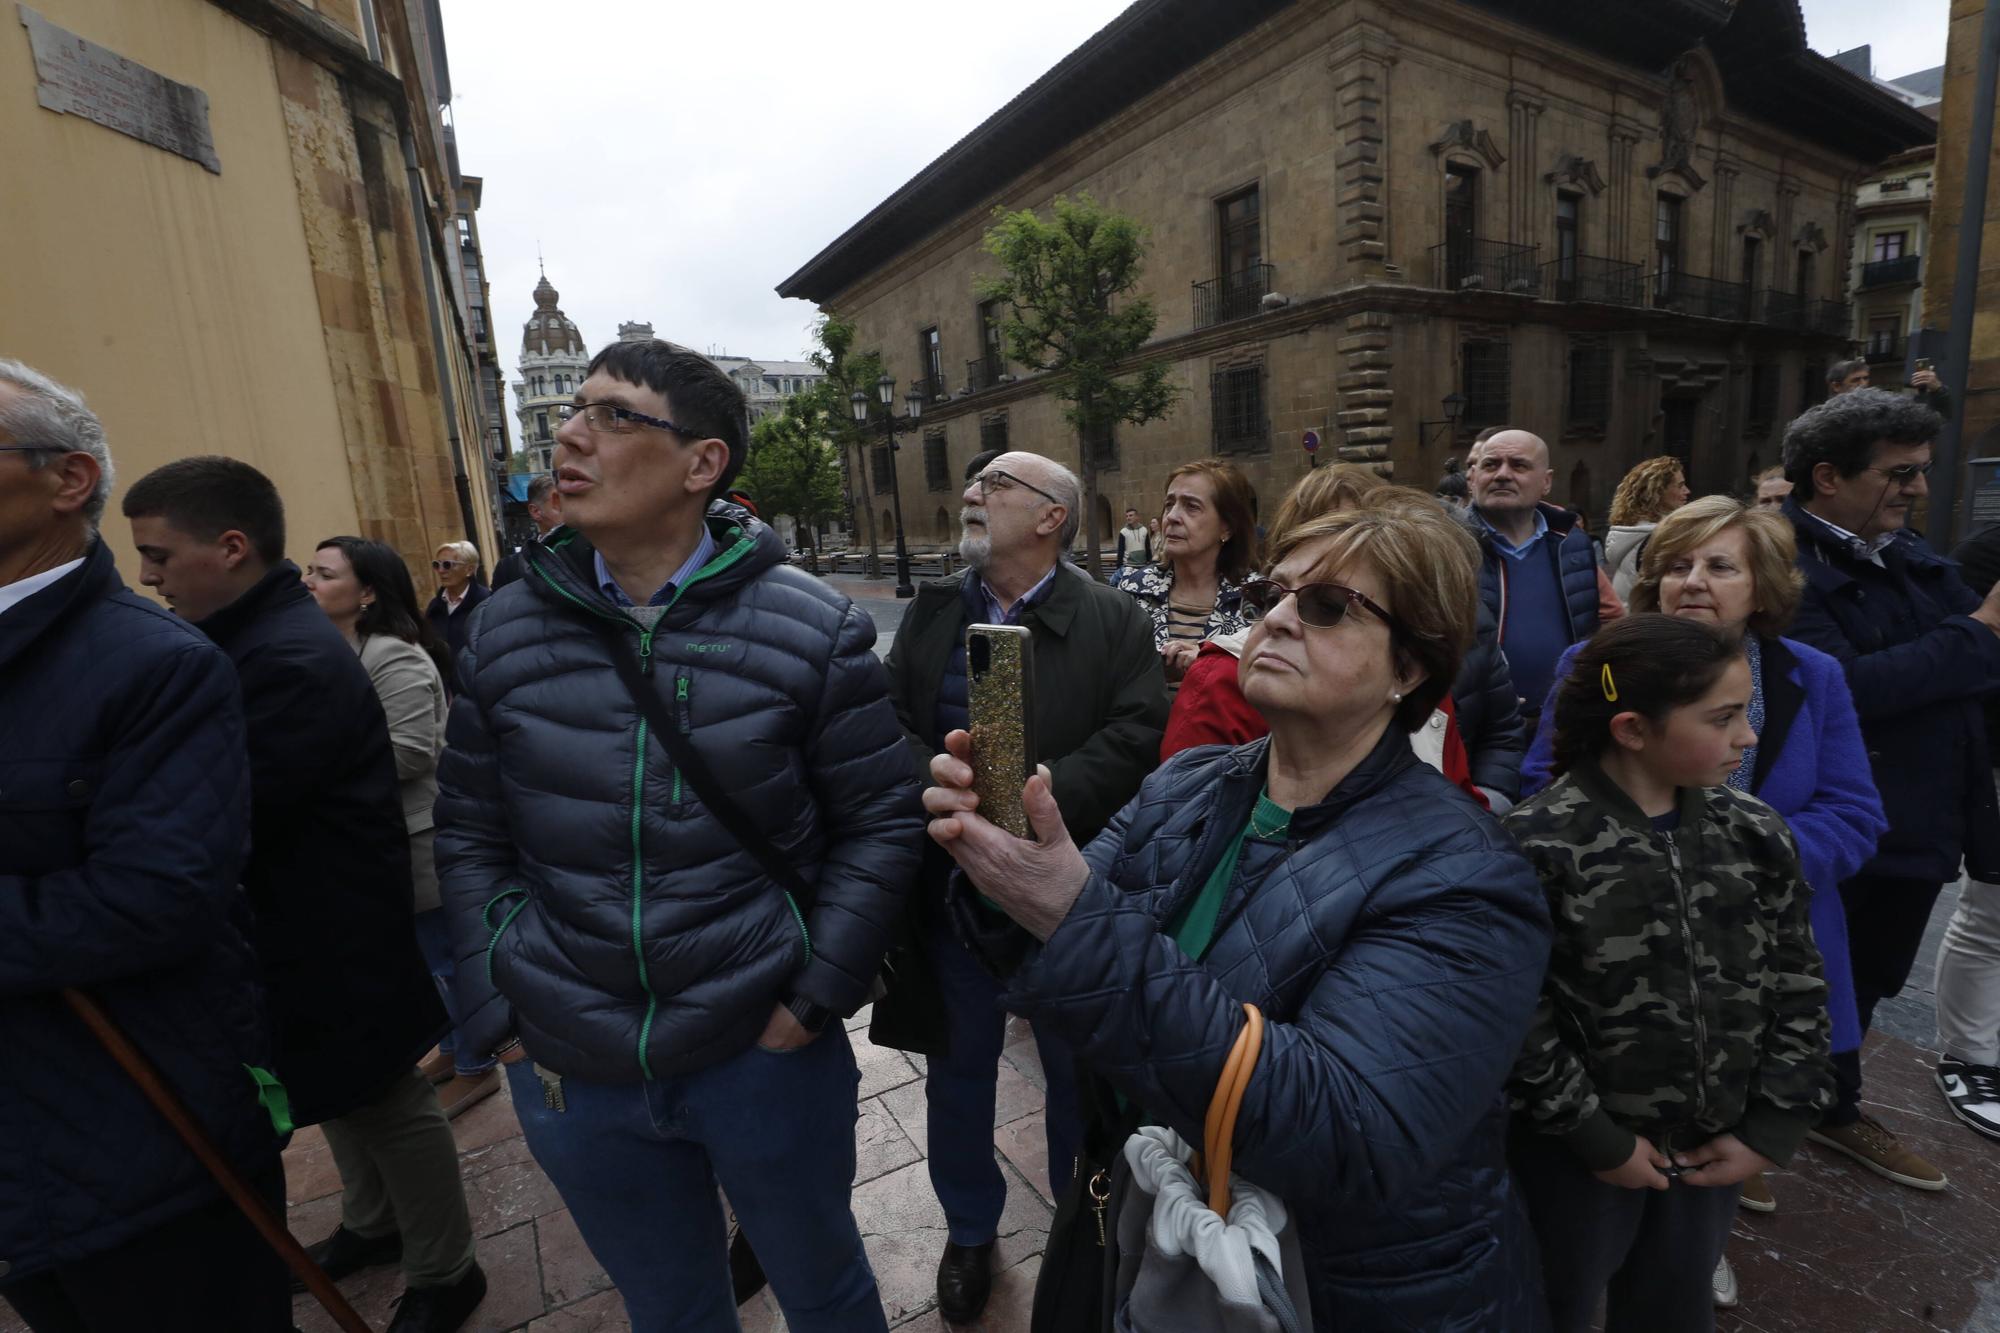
x=1885, y=347
x=1830, y=317
x=1471, y=264
x=930, y=386
x=983, y=373
x=1590, y=278
x=1786, y=310
x=1710, y=298
x=1888, y=272
x=1232, y=296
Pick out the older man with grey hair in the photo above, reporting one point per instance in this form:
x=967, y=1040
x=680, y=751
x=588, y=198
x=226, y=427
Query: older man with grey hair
x=124, y=818
x=1099, y=711
x=545, y=511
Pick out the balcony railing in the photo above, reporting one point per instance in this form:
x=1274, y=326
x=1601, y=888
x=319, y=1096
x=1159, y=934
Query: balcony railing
x=1710, y=298
x=1589, y=278
x=1830, y=317
x=982, y=373
x=930, y=386
x=1887, y=272
x=1471, y=264
x=1884, y=347
x=1786, y=310
x=1232, y=296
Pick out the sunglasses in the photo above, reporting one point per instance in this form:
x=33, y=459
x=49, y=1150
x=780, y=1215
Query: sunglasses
x=1320, y=605
x=442, y=565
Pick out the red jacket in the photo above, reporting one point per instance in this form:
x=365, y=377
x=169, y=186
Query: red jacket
x=1211, y=710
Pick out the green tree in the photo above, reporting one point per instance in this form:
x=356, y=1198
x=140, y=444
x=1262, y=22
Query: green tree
x=793, y=465
x=1067, y=285
x=847, y=370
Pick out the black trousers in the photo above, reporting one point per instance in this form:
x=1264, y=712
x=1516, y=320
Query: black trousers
x=1886, y=919
x=202, y=1272
x=1648, y=1253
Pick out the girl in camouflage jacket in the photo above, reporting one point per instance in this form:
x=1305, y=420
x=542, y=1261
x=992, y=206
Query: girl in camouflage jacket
x=1681, y=1041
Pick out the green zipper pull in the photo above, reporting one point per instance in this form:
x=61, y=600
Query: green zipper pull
x=645, y=652
x=681, y=689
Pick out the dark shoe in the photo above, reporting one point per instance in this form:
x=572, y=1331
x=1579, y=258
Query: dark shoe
x=746, y=1272
x=344, y=1254
x=965, y=1280
x=439, y=1309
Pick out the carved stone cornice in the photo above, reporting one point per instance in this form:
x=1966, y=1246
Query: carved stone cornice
x=1464, y=135
x=1572, y=169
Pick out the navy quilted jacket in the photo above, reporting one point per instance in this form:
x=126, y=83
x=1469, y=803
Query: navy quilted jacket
x=1396, y=942
x=124, y=817
x=600, y=912
x=1568, y=547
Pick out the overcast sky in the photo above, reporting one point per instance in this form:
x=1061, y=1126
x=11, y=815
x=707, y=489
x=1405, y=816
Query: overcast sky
x=676, y=161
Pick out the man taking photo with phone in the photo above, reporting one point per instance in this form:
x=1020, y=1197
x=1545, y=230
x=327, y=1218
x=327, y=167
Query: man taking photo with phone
x=1100, y=708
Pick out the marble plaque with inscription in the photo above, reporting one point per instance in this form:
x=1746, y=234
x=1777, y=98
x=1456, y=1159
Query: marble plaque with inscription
x=77, y=77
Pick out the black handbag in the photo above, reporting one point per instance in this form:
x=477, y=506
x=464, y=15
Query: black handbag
x=1076, y=1286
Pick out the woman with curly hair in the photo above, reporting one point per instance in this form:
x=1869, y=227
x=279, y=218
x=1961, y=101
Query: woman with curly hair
x=1648, y=493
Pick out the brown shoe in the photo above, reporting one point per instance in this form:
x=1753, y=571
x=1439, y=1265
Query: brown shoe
x=1869, y=1142
x=437, y=1067
x=1756, y=1195
x=459, y=1095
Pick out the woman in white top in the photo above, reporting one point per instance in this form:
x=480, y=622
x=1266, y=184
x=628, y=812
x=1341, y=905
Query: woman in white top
x=366, y=590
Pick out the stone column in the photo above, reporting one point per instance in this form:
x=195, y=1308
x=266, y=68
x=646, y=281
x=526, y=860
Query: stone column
x=1524, y=114
x=1726, y=171
x=1625, y=135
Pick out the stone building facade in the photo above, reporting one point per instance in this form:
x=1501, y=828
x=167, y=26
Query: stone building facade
x=296, y=301
x=1979, y=430
x=1891, y=240
x=1622, y=225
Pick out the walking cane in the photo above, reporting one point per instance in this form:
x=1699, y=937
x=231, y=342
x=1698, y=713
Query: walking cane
x=134, y=1062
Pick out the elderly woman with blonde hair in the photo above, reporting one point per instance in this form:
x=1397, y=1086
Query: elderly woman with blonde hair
x=1390, y=932
x=1728, y=564
x=460, y=592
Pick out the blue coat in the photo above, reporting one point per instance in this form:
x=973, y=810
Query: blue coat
x=124, y=817
x=1812, y=768
x=1569, y=547
x=1396, y=942
x=1921, y=670
x=601, y=912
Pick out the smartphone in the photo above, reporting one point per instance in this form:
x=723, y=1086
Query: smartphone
x=1923, y=363
x=1000, y=683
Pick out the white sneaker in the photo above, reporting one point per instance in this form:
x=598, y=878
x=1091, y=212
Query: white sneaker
x=1973, y=1094
x=1723, y=1286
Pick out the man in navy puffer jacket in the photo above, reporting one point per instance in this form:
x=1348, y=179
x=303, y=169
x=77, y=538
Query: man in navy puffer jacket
x=668, y=1015
x=124, y=818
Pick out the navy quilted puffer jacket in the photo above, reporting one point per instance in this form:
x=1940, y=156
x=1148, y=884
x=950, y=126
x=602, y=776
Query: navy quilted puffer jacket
x=124, y=818
x=1396, y=942
x=600, y=912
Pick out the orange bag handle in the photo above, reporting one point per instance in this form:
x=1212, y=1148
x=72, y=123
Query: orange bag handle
x=1219, y=1132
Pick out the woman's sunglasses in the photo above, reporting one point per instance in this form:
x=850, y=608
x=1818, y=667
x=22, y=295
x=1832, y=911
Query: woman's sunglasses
x=442, y=565
x=1321, y=605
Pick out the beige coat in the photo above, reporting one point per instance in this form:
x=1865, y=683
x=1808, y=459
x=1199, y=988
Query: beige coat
x=412, y=697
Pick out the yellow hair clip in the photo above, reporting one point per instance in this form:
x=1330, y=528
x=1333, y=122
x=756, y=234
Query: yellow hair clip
x=1610, y=686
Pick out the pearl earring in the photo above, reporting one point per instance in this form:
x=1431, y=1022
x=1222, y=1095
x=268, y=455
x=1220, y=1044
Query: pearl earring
x=1395, y=696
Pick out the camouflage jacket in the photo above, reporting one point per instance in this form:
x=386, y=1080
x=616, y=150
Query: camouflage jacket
x=1684, y=997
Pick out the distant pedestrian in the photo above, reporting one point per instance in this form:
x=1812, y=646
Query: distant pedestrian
x=1208, y=547
x=122, y=837
x=1846, y=376
x=1771, y=488
x=365, y=589
x=1922, y=654
x=460, y=593
x=1135, y=543
x=675, y=821
x=1452, y=487
x=545, y=511
x=328, y=880
x=1648, y=493
x=1680, y=926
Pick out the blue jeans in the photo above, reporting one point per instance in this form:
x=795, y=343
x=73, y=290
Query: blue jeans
x=961, y=1089
x=434, y=943
x=638, y=1165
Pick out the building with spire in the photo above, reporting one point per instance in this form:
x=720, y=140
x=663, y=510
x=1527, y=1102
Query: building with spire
x=552, y=365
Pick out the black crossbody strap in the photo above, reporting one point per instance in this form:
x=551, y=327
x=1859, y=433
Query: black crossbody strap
x=695, y=770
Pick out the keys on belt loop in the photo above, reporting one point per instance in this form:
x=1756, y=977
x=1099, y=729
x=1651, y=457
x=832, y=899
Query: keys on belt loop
x=552, y=1092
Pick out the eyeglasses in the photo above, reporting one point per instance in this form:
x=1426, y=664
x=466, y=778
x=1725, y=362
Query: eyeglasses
x=1320, y=605
x=993, y=479
x=30, y=449
x=611, y=419
x=442, y=565
x=1905, y=474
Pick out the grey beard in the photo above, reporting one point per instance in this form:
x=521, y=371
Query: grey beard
x=974, y=551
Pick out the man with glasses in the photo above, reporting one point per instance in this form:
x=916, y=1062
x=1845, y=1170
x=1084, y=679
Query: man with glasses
x=1921, y=654
x=124, y=818
x=674, y=828
x=1100, y=709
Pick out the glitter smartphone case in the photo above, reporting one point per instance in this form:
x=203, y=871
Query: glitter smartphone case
x=1000, y=678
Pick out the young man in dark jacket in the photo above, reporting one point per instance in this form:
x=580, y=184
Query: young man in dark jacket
x=1100, y=710
x=329, y=882
x=1922, y=654
x=668, y=1013
x=124, y=816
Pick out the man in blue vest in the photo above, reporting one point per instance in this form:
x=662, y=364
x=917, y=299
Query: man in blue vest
x=1539, y=576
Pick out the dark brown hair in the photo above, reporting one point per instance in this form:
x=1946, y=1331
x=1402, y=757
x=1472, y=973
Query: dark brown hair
x=1655, y=664
x=1235, y=506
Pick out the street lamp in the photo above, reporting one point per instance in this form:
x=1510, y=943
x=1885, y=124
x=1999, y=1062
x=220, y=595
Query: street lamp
x=885, y=389
x=1454, y=408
